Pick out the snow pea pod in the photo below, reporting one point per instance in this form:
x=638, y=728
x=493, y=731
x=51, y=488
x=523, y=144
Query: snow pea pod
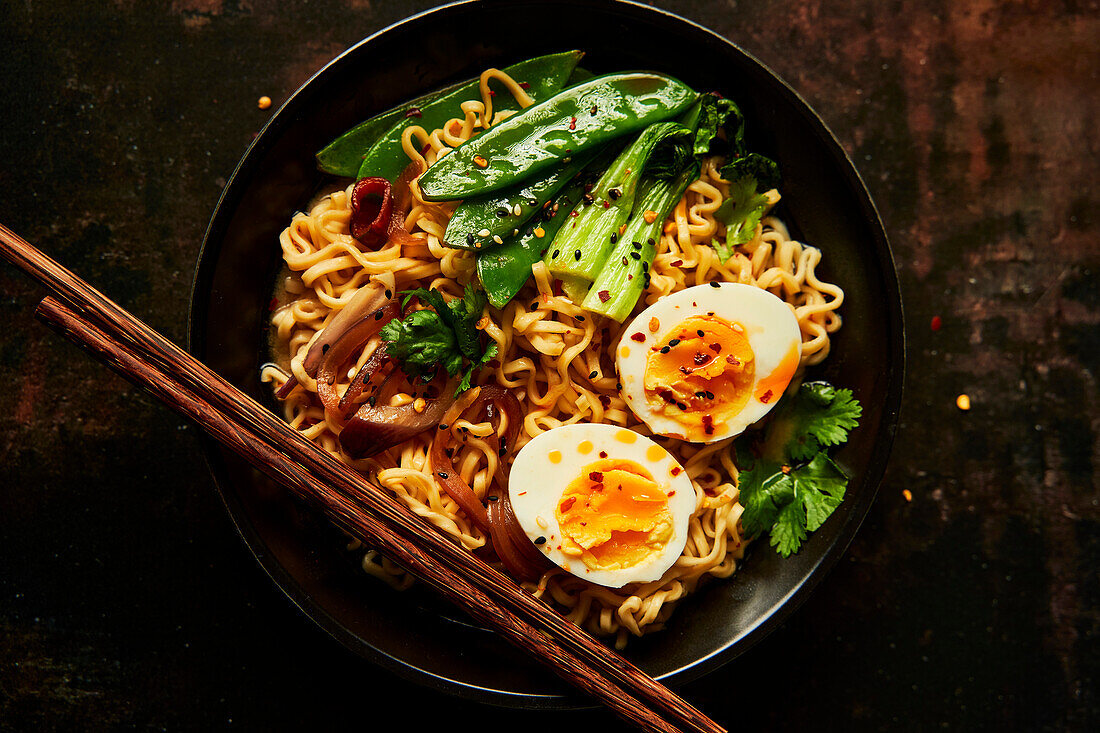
x=543, y=75
x=483, y=221
x=576, y=119
x=503, y=270
x=344, y=155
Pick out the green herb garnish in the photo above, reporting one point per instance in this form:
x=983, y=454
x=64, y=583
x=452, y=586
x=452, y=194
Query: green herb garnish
x=794, y=486
x=751, y=177
x=447, y=336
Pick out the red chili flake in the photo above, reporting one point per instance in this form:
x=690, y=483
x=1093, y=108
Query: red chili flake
x=524, y=493
x=716, y=348
x=572, y=123
x=937, y=323
x=413, y=112
x=605, y=401
x=557, y=288
x=604, y=296
x=596, y=476
x=708, y=424
x=567, y=504
x=492, y=93
x=700, y=359
x=603, y=454
x=606, y=204
x=677, y=263
x=524, y=85
x=731, y=359
x=638, y=337
x=675, y=472
x=766, y=397
x=574, y=214
x=424, y=150
x=673, y=492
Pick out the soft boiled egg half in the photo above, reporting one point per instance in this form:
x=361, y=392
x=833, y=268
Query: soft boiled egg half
x=602, y=502
x=706, y=362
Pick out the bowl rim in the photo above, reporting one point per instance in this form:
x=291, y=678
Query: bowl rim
x=879, y=247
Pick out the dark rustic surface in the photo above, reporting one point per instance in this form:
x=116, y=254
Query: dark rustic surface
x=127, y=599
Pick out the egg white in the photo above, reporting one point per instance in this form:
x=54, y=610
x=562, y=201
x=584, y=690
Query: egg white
x=536, y=484
x=770, y=326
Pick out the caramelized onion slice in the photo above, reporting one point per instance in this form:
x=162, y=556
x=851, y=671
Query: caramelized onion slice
x=356, y=316
x=374, y=428
x=341, y=350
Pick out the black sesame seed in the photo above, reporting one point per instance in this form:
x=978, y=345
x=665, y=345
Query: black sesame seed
x=501, y=452
x=556, y=253
x=325, y=348
x=540, y=540
x=700, y=332
x=650, y=242
x=636, y=245
x=614, y=237
x=492, y=498
x=442, y=475
x=503, y=212
x=674, y=342
x=615, y=193
x=593, y=375
x=442, y=426
x=714, y=284
x=710, y=395
x=635, y=255
x=580, y=318
x=625, y=261
x=665, y=349
x=378, y=315
x=577, y=254
x=470, y=239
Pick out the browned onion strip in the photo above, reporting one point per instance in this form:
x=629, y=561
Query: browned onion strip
x=444, y=469
x=374, y=428
x=355, y=316
x=340, y=351
x=373, y=363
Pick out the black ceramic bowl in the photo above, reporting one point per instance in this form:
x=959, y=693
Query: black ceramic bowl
x=413, y=633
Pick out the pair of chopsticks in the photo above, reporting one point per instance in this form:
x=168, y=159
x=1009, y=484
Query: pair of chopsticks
x=144, y=357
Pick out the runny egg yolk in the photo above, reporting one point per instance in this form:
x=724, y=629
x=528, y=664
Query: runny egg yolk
x=614, y=515
x=701, y=373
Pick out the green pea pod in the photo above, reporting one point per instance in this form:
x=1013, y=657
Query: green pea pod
x=344, y=155
x=544, y=76
x=483, y=221
x=503, y=270
x=581, y=117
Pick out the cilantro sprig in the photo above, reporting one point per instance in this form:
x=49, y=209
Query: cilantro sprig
x=446, y=336
x=793, y=486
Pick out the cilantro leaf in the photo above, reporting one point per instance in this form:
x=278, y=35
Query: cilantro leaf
x=422, y=342
x=446, y=336
x=751, y=177
x=820, y=486
x=794, y=486
x=764, y=490
x=819, y=416
x=789, y=529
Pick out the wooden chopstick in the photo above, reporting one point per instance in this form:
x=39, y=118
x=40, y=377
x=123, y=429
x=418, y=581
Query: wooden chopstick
x=187, y=372
x=346, y=513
